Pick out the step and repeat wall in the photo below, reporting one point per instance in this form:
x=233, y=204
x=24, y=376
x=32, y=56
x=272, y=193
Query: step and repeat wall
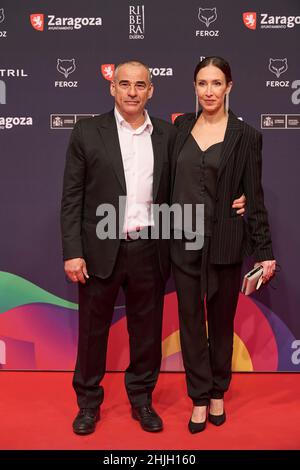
x=56, y=62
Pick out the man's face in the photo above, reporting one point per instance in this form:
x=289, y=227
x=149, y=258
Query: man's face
x=131, y=90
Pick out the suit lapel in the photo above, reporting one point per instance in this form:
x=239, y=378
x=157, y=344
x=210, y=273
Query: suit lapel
x=156, y=138
x=109, y=132
x=232, y=136
x=184, y=132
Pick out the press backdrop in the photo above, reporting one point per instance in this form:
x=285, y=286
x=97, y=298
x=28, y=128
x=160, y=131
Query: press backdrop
x=56, y=60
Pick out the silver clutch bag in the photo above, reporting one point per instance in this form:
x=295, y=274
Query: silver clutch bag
x=252, y=280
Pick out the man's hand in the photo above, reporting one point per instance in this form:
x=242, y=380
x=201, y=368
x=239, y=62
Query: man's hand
x=240, y=204
x=269, y=269
x=76, y=270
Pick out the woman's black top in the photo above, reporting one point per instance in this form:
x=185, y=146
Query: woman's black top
x=196, y=178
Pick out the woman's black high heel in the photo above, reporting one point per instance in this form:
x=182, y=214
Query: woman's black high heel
x=217, y=420
x=196, y=427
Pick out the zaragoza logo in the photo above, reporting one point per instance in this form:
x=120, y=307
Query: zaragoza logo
x=249, y=19
x=37, y=21
x=108, y=71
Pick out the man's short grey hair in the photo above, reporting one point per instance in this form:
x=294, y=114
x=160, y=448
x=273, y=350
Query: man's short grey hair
x=133, y=62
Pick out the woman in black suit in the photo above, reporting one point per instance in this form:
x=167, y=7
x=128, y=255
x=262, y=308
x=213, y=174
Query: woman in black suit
x=217, y=158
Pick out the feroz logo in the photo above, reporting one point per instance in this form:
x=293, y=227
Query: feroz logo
x=2, y=352
x=249, y=19
x=66, y=67
x=278, y=66
x=2, y=16
x=3, y=34
x=207, y=16
x=136, y=21
x=2, y=92
x=108, y=71
x=37, y=21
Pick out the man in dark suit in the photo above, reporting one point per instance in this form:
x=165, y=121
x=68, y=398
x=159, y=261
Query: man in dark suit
x=121, y=153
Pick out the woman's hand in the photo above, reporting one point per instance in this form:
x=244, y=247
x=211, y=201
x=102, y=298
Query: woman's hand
x=269, y=269
x=239, y=204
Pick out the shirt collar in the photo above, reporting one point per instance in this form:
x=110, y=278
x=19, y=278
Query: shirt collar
x=146, y=126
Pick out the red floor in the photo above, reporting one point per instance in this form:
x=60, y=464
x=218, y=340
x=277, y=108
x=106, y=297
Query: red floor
x=37, y=409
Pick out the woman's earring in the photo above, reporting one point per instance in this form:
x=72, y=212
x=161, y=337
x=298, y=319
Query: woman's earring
x=227, y=102
x=197, y=106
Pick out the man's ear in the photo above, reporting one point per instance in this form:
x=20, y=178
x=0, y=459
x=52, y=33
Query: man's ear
x=150, y=92
x=112, y=88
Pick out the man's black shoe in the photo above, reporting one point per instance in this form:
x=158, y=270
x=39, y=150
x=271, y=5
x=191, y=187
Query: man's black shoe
x=148, y=418
x=85, y=421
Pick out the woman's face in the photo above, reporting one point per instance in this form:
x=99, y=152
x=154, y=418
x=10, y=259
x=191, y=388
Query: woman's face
x=211, y=88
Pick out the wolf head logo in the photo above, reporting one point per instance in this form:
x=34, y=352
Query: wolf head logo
x=278, y=66
x=2, y=16
x=207, y=15
x=66, y=66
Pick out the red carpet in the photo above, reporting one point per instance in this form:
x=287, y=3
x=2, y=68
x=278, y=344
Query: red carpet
x=37, y=409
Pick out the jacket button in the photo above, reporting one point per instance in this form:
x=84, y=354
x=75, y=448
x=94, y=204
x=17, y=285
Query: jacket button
x=217, y=198
x=215, y=220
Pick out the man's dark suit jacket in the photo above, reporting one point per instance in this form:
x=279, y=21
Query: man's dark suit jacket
x=94, y=175
x=239, y=172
